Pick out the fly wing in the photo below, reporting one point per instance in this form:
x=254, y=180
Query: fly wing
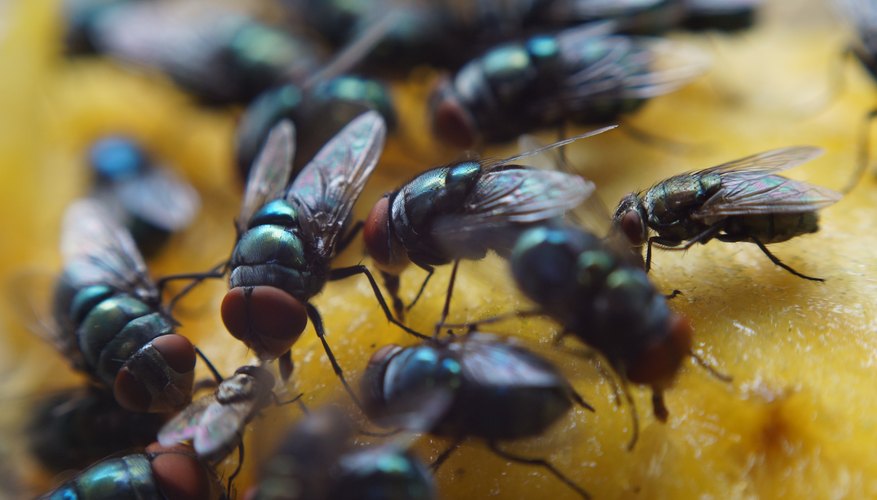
x=221, y=428
x=626, y=67
x=270, y=173
x=182, y=39
x=184, y=426
x=31, y=294
x=327, y=188
x=749, y=186
x=514, y=196
x=97, y=249
x=766, y=162
x=489, y=361
x=161, y=198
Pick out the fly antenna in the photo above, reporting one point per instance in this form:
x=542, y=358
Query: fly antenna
x=558, y=144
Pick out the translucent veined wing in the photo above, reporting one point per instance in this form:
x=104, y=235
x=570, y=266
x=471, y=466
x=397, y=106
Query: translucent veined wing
x=327, y=188
x=749, y=186
x=184, y=426
x=180, y=39
x=490, y=361
x=97, y=249
x=221, y=428
x=31, y=293
x=627, y=67
x=161, y=198
x=270, y=173
x=515, y=196
x=767, y=162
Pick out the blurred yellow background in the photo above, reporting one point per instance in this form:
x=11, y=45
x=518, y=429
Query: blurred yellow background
x=799, y=419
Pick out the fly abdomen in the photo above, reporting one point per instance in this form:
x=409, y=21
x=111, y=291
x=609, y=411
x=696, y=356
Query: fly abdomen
x=485, y=411
x=771, y=228
x=136, y=334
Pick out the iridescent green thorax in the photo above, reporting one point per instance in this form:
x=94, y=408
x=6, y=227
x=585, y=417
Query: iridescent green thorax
x=274, y=255
x=437, y=192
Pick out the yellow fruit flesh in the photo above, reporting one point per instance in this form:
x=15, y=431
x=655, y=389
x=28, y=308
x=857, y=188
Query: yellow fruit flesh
x=796, y=422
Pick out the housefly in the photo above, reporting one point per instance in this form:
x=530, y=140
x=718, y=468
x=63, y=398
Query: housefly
x=461, y=211
x=583, y=75
x=472, y=386
x=109, y=320
x=317, y=459
x=76, y=427
x=215, y=423
x=159, y=472
x=150, y=200
x=288, y=236
x=742, y=200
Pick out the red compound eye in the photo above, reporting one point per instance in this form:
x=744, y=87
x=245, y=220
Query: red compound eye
x=451, y=122
x=179, y=355
x=633, y=228
x=178, y=473
x=378, y=241
x=658, y=364
x=266, y=319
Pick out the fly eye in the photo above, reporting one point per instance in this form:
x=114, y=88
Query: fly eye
x=633, y=228
x=657, y=364
x=178, y=473
x=450, y=120
x=266, y=319
x=379, y=242
x=178, y=355
x=177, y=351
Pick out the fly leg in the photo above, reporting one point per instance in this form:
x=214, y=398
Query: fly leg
x=391, y=283
x=429, y=270
x=285, y=366
x=539, y=462
x=773, y=258
x=217, y=377
x=494, y=319
x=443, y=456
x=317, y=320
x=346, y=272
x=237, y=469
x=668, y=244
x=447, y=307
x=217, y=271
x=710, y=368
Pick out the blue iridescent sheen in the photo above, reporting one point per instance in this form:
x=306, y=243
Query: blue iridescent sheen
x=495, y=390
x=117, y=158
x=126, y=477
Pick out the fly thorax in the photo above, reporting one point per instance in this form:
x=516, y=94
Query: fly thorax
x=136, y=334
x=438, y=192
x=509, y=70
x=273, y=255
x=104, y=322
x=418, y=370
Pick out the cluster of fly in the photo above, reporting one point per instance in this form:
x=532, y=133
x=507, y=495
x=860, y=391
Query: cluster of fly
x=311, y=136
